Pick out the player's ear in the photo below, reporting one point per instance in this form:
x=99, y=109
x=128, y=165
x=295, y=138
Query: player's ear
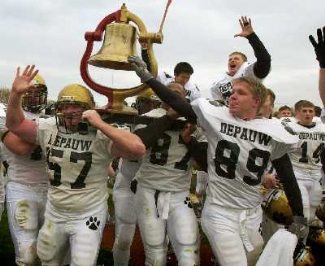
x=258, y=102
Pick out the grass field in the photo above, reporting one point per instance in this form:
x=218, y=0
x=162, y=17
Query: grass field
x=7, y=253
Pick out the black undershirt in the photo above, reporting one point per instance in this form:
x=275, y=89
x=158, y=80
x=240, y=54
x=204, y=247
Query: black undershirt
x=262, y=66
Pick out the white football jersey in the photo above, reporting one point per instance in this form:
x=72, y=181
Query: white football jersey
x=306, y=153
x=28, y=169
x=317, y=119
x=221, y=90
x=77, y=165
x=166, y=166
x=192, y=91
x=238, y=153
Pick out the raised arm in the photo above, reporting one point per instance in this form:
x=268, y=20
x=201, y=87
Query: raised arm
x=145, y=55
x=319, y=47
x=262, y=66
x=125, y=144
x=285, y=173
x=154, y=131
x=179, y=104
x=15, y=118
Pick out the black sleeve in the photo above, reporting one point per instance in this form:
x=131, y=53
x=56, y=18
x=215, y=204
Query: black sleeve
x=175, y=101
x=145, y=58
x=322, y=158
x=150, y=134
x=263, y=64
x=284, y=171
x=198, y=151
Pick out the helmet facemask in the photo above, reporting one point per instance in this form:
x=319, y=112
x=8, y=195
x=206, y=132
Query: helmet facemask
x=35, y=101
x=68, y=116
x=72, y=101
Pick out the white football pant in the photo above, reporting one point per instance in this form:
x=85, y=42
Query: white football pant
x=233, y=234
x=125, y=222
x=25, y=207
x=311, y=191
x=82, y=236
x=171, y=213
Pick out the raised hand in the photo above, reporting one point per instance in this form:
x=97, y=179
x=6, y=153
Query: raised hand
x=23, y=81
x=319, y=46
x=140, y=67
x=246, y=26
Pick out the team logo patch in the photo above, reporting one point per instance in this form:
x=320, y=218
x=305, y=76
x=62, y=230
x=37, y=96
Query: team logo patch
x=187, y=202
x=93, y=223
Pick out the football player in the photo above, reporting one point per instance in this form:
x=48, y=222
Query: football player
x=269, y=178
x=162, y=199
x=238, y=65
x=305, y=156
x=124, y=197
x=239, y=147
x=182, y=75
x=285, y=111
x=76, y=207
x=27, y=186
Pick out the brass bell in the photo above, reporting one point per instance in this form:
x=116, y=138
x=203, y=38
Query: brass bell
x=119, y=43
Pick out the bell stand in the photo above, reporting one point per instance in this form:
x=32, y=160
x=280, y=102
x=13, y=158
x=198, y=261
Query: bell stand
x=116, y=96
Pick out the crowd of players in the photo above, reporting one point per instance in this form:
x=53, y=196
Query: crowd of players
x=57, y=167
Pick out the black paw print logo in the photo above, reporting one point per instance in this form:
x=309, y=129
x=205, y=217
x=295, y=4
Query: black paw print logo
x=92, y=223
x=187, y=201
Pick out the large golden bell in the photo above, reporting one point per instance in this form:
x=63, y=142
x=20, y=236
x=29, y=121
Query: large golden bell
x=118, y=45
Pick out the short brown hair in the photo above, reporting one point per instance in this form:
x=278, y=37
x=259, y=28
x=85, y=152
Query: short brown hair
x=303, y=103
x=285, y=107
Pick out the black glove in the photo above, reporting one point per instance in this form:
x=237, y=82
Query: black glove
x=140, y=67
x=319, y=47
x=299, y=227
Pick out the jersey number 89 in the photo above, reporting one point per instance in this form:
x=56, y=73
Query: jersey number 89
x=229, y=163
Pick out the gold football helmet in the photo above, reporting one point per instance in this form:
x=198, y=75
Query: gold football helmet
x=35, y=101
x=304, y=257
x=277, y=207
x=316, y=235
x=320, y=212
x=146, y=101
x=78, y=97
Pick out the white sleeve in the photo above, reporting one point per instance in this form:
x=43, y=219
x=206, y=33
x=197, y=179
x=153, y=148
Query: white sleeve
x=215, y=92
x=249, y=71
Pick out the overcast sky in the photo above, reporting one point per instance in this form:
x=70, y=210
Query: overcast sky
x=50, y=34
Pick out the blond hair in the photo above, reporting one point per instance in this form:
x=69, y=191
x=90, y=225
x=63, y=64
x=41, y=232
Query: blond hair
x=258, y=90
